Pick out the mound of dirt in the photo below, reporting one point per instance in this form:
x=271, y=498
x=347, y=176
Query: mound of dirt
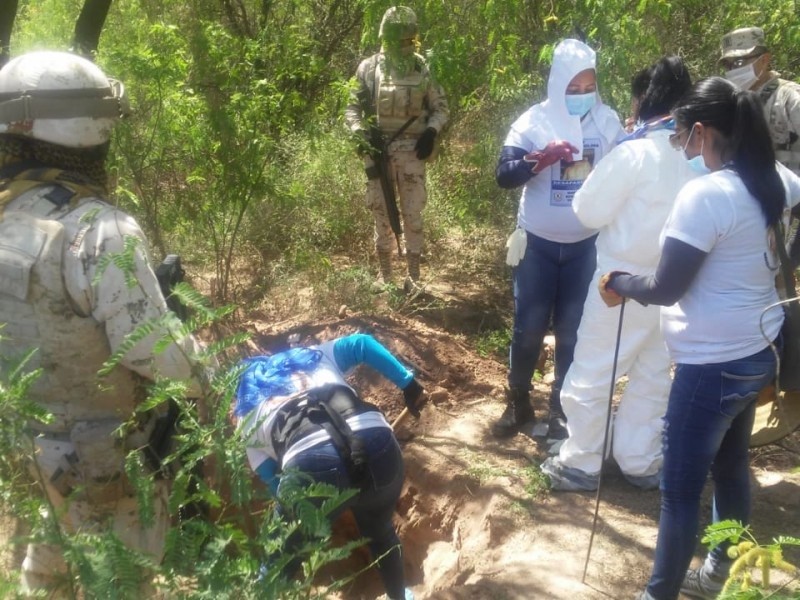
x=476, y=519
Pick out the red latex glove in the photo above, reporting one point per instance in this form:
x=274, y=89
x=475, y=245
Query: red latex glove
x=550, y=154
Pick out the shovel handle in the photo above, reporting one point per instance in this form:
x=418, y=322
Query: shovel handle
x=403, y=416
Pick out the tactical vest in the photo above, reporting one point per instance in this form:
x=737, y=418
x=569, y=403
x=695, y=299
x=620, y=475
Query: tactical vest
x=39, y=314
x=398, y=98
x=325, y=407
x=776, y=95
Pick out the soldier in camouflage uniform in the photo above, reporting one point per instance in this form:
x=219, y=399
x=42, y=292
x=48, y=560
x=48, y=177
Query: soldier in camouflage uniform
x=395, y=86
x=746, y=60
x=61, y=296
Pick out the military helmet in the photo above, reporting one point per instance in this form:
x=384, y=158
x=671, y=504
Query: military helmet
x=399, y=22
x=60, y=98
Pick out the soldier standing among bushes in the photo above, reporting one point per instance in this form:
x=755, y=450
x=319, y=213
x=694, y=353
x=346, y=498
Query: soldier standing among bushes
x=64, y=297
x=397, y=112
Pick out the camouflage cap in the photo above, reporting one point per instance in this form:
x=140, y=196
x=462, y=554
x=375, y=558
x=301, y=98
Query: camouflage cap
x=743, y=42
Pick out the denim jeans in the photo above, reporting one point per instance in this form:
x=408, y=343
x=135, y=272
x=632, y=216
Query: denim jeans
x=550, y=281
x=374, y=505
x=708, y=424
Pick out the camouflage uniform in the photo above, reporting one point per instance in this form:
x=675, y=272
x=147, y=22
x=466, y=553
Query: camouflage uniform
x=60, y=297
x=395, y=95
x=781, y=98
x=782, y=109
x=77, y=326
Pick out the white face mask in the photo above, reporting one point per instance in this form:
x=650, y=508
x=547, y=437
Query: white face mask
x=743, y=77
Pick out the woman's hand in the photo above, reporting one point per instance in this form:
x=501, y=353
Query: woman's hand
x=610, y=297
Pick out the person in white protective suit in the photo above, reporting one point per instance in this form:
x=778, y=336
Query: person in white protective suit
x=547, y=153
x=628, y=197
x=62, y=296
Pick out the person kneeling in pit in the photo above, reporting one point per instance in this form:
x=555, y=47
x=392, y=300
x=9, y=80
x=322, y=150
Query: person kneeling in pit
x=303, y=424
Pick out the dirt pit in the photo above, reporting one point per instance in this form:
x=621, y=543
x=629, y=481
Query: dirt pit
x=476, y=519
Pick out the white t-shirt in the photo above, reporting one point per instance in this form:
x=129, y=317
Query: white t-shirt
x=717, y=320
x=545, y=208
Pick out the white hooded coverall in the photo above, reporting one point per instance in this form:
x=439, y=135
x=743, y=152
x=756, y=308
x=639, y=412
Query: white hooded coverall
x=628, y=197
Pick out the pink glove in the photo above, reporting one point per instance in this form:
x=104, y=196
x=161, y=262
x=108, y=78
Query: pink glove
x=551, y=154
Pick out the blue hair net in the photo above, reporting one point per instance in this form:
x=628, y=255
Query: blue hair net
x=267, y=376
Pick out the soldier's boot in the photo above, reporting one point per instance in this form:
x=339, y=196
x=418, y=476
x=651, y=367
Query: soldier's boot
x=517, y=414
x=412, y=280
x=384, y=270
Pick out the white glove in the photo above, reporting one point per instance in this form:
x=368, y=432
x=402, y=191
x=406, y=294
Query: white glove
x=516, y=244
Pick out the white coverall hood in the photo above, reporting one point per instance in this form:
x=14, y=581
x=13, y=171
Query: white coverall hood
x=550, y=120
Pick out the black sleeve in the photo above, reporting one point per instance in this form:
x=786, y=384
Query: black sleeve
x=512, y=171
x=676, y=270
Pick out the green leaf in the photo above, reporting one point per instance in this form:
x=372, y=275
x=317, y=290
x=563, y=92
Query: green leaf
x=724, y=531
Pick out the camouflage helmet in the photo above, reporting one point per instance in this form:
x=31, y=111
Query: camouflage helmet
x=399, y=22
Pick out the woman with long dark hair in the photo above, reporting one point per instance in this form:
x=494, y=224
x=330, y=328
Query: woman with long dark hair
x=715, y=276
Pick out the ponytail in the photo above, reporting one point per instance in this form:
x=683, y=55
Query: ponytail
x=739, y=118
x=754, y=156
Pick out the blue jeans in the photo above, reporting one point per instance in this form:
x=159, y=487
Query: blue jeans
x=373, y=506
x=550, y=281
x=708, y=424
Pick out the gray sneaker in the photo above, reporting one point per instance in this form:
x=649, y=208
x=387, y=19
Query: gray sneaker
x=645, y=595
x=698, y=583
x=568, y=479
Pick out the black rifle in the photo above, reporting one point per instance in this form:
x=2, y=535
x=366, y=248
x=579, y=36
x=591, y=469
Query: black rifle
x=169, y=273
x=380, y=169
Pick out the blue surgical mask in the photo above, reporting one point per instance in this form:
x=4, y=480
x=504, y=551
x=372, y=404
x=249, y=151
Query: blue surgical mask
x=697, y=163
x=579, y=104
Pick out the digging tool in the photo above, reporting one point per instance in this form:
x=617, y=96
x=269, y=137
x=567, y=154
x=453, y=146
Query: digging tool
x=605, y=440
x=400, y=419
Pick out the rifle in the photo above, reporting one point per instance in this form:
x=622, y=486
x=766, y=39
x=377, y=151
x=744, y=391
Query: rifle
x=169, y=273
x=159, y=446
x=380, y=169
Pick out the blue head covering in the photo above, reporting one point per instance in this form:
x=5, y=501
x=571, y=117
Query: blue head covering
x=268, y=376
